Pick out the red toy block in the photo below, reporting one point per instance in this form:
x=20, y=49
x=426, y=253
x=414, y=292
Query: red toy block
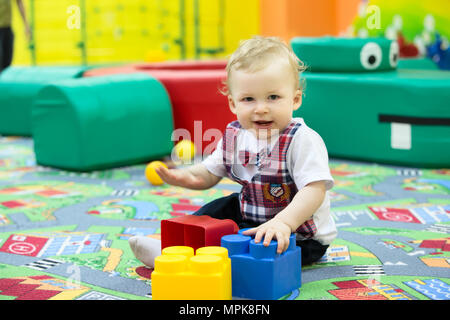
x=195, y=231
x=193, y=88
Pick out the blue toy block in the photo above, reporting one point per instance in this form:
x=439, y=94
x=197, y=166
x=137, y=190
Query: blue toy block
x=258, y=272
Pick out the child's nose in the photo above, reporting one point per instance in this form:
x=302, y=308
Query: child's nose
x=261, y=107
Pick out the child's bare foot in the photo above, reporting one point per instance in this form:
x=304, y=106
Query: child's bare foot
x=145, y=249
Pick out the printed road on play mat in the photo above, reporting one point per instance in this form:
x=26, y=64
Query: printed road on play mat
x=64, y=235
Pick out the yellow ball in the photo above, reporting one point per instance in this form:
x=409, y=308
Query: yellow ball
x=185, y=150
x=151, y=174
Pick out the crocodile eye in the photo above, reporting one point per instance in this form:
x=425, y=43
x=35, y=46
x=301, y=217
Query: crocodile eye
x=371, y=56
x=393, y=54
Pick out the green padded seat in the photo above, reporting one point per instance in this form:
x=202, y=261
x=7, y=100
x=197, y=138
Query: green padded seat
x=18, y=89
x=102, y=122
x=401, y=116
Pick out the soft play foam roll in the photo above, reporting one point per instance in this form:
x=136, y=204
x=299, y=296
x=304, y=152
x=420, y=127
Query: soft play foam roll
x=102, y=122
x=199, y=109
x=335, y=54
x=38, y=74
x=18, y=89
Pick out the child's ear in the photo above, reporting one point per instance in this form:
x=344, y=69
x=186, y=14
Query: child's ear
x=297, y=99
x=231, y=104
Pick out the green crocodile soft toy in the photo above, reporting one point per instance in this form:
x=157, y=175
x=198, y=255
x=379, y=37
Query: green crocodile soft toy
x=367, y=107
x=347, y=54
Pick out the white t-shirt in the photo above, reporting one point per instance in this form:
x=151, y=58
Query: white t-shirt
x=307, y=161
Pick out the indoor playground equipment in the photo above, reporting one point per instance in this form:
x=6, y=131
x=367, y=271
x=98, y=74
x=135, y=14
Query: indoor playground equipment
x=18, y=90
x=200, y=111
x=417, y=63
x=439, y=53
x=394, y=115
x=357, y=55
x=416, y=25
x=94, y=123
x=90, y=32
x=416, y=20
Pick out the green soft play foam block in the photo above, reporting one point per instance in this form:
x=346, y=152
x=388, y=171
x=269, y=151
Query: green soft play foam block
x=101, y=122
x=18, y=89
x=417, y=63
x=368, y=106
x=330, y=54
x=398, y=117
x=40, y=74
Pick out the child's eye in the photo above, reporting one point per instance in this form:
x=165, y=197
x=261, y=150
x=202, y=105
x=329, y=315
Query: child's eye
x=247, y=99
x=274, y=97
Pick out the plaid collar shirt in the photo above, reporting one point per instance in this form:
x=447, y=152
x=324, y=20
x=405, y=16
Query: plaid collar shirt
x=272, y=188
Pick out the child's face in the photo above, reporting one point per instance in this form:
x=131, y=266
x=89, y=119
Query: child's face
x=263, y=101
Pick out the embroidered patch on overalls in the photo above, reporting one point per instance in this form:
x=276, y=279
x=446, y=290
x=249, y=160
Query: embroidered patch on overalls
x=276, y=192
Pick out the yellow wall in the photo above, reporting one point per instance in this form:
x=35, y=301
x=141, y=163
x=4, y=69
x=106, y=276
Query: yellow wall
x=129, y=30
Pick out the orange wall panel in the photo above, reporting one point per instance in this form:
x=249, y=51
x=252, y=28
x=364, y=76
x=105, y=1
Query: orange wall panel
x=311, y=18
x=290, y=18
x=347, y=11
x=273, y=17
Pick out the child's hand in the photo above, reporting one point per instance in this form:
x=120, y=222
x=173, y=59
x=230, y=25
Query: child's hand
x=274, y=228
x=179, y=177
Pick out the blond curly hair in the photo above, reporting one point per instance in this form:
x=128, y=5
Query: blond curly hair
x=256, y=53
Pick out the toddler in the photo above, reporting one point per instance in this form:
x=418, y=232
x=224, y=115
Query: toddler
x=281, y=163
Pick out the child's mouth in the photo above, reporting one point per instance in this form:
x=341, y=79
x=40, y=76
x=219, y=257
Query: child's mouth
x=263, y=124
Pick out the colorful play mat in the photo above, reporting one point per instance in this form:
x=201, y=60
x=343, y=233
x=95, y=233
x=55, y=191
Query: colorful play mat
x=64, y=235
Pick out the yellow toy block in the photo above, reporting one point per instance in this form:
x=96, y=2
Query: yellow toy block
x=181, y=275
